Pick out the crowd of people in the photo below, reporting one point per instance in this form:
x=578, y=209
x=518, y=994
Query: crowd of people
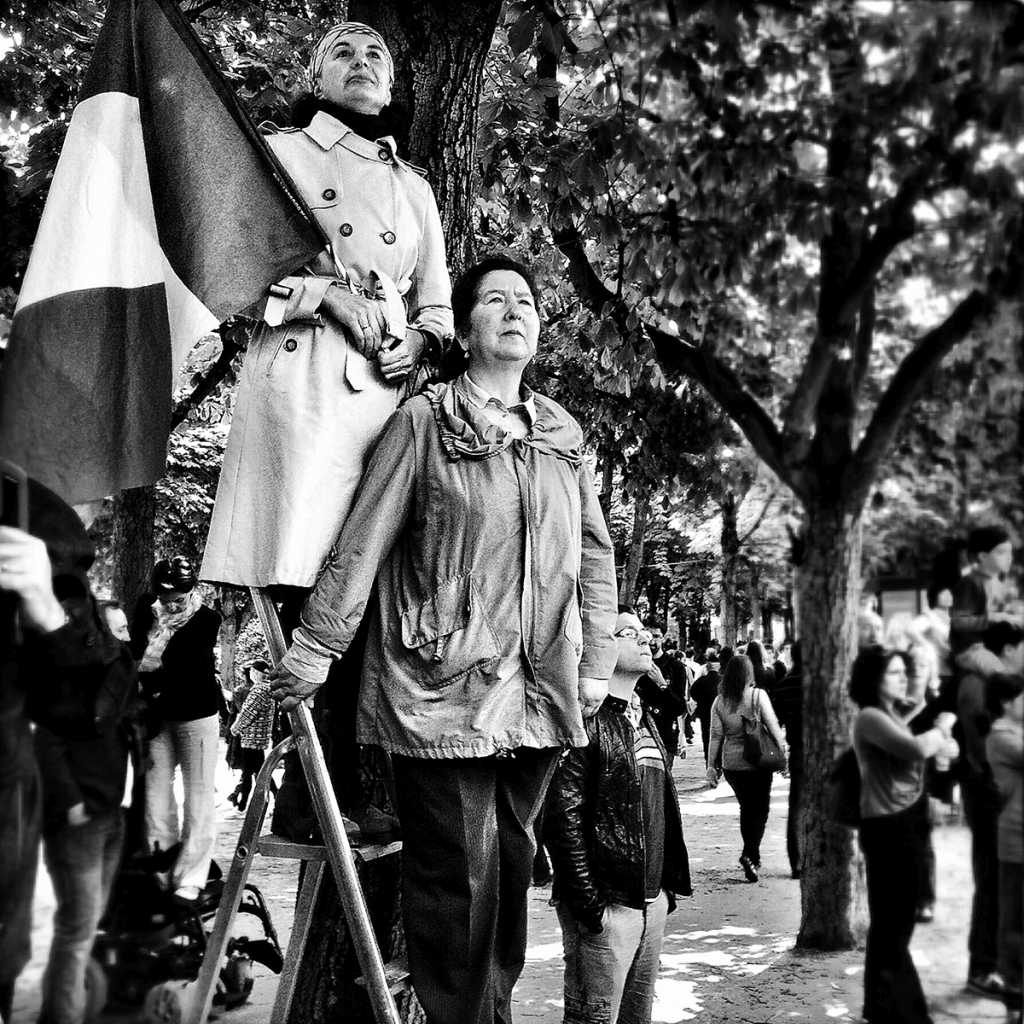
x=440, y=561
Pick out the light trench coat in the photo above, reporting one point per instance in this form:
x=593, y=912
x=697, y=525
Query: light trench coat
x=310, y=408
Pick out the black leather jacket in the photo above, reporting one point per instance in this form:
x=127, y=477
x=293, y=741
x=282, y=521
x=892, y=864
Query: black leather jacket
x=593, y=824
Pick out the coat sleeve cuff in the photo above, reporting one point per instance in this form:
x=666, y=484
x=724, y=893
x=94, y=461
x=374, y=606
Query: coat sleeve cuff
x=306, y=659
x=303, y=298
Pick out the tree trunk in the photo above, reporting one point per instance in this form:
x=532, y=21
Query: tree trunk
x=635, y=556
x=132, y=543
x=754, y=597
x=834, y=907
x=730, y=561
x=604, y=496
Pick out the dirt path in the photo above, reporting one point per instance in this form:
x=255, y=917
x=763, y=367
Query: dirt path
x=728, y=954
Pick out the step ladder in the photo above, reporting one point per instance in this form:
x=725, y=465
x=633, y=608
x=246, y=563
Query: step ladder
x=382, y=981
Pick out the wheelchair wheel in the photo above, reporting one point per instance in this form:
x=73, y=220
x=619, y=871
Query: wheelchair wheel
x=96, y=989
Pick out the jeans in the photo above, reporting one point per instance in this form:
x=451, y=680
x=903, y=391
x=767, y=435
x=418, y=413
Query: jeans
x=193, y=746
x=894, y=862
x=981, y=809
x=82, y=861
x=753, y=789
x=467, y=859
x=610, y=976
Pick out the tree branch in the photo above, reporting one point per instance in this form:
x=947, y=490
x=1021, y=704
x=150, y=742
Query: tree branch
x=907, y=384
x=197, y=9
x=213, y=376
x=757, y=522
x=676, y=354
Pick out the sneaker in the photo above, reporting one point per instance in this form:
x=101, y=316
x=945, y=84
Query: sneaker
x=925, y=914
x=990, y=985
x=749, y=868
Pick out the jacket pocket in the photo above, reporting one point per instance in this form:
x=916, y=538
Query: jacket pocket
x=572, y=623
x=449, y=632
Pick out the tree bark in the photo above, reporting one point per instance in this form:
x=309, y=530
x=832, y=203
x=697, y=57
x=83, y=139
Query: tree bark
x=832, y=886
x=754, y=597
x=635, y=557
x=730, y=560
x=132, y=543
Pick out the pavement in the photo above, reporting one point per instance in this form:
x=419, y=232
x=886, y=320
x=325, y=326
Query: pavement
x=728, y=956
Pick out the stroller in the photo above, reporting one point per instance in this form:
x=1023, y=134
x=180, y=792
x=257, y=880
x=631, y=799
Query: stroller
x=150, y=944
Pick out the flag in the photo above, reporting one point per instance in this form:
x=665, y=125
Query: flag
x=167, y=213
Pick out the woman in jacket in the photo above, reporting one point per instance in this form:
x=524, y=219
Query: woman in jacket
x=739, y=700
x=891, y=761
x=492, y=625
x=324, y=369
x=174, y=633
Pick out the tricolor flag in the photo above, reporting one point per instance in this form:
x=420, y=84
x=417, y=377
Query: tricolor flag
x=167, y=213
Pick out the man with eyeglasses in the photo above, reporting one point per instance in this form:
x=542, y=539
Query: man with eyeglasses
x=615, y=837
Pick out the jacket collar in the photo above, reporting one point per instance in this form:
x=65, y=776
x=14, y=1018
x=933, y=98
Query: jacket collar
x=467, y=434
x=327, y=131
x=480, y=398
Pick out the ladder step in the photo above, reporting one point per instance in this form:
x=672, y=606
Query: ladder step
x=396, y=974
x=269, y=845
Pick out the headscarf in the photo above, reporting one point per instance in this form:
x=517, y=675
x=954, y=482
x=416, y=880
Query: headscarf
x=332, y=35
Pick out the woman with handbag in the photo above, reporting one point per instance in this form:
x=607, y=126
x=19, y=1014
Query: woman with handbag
x=747, y=742
x=891, y=760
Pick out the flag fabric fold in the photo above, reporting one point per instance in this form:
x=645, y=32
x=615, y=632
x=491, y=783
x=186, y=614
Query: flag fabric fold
x=166, y=214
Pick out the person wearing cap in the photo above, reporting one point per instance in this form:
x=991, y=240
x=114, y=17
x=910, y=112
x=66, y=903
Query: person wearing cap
x=325, y=368
x=173, y=636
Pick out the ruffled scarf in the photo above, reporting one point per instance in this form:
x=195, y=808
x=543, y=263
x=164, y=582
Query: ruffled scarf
x=165, y=625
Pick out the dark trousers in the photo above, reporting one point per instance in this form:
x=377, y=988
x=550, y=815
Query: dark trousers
x=753, y=789
x=467, y=858
x=892, y=857
x=704, y=717
x=20, y=822
x=796, y=785
x=981, y=808
x=82, y=861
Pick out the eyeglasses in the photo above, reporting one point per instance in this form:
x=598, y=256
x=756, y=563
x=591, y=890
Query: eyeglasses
x=629, y=633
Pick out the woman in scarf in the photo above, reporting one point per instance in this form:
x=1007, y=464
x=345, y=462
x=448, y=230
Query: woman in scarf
x=174, y=635
x=490, y=633
x=325, y=368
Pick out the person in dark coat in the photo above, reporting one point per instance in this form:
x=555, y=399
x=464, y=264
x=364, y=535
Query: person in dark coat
x=789, y=706
x=173, y=635
x=703, y=691
x=59, y=668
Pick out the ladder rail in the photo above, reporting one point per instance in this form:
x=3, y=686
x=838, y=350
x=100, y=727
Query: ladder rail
x=197, y=1009
x=339, y=850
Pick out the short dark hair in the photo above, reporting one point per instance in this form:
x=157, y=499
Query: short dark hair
x=724, y=656
x=868, y=671
x=1000, y=689
x=983, y=539
x=1002, y=634
x=465, y=290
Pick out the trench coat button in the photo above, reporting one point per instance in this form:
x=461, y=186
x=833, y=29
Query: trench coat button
x=345, y=229
x=389, y=237
x=329, y=194
x=290, y=345
x=383, y=154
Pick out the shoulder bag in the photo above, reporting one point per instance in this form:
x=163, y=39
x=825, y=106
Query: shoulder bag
x=759, y=746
